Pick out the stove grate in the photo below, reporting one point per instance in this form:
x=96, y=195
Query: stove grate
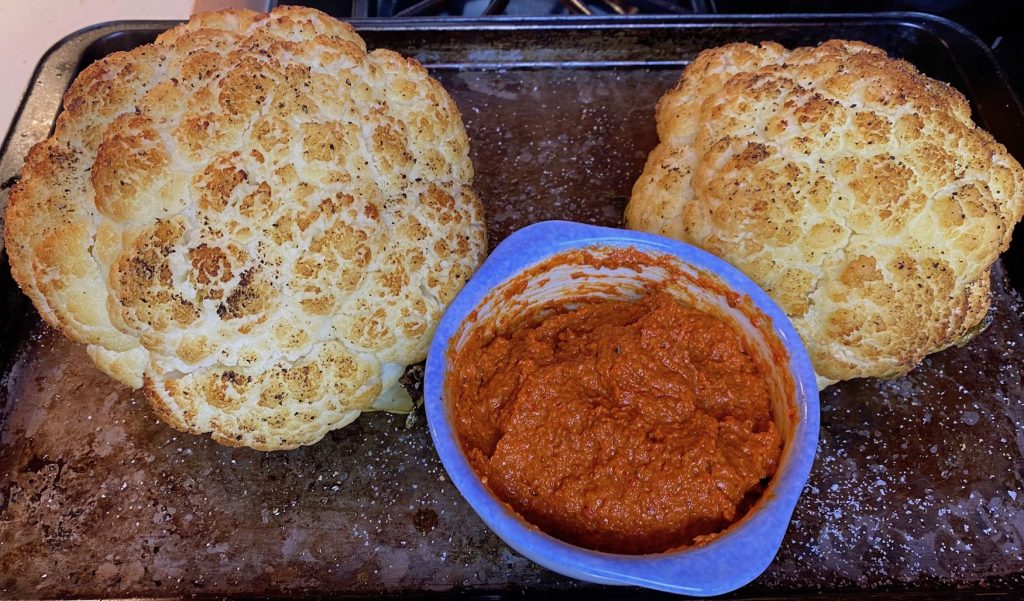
x=361, y=9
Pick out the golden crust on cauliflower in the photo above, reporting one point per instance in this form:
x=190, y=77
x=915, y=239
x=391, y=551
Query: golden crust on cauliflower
x=854, y=189
x=254, y=219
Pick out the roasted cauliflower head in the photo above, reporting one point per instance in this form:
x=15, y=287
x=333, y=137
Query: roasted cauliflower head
x=854, y=189
x=254, y=219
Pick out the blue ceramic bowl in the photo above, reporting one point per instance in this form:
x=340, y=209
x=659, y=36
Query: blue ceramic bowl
x=747, y=547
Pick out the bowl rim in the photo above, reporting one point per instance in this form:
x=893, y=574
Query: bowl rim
x=728, y=562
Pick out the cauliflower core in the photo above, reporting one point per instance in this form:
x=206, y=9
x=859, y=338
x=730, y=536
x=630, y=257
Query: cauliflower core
x=252, y=218
x=854, y=189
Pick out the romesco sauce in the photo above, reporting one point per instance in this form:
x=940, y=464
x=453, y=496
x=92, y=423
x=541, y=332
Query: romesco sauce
x=627, y=427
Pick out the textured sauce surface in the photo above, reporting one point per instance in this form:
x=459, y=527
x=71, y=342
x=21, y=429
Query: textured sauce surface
x=919, y=481
x=627, y=427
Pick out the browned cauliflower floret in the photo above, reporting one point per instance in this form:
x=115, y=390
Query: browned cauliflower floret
x=854, y=189
x=254, y=219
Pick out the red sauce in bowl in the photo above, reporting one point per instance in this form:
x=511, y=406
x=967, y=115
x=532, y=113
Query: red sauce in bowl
x=627, y=427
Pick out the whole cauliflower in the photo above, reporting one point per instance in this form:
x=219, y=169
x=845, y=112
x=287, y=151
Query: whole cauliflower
x=854, y=189
x=254, y=219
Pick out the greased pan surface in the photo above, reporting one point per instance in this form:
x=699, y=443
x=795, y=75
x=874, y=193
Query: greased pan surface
x=919, y=483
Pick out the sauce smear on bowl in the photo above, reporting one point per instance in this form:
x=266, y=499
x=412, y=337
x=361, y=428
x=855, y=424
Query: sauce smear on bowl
x=626, y=427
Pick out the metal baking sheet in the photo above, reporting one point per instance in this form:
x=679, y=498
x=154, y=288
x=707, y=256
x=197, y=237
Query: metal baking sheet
x=919, y=481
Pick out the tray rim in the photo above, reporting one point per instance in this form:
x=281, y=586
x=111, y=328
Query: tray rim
x=70, y=47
